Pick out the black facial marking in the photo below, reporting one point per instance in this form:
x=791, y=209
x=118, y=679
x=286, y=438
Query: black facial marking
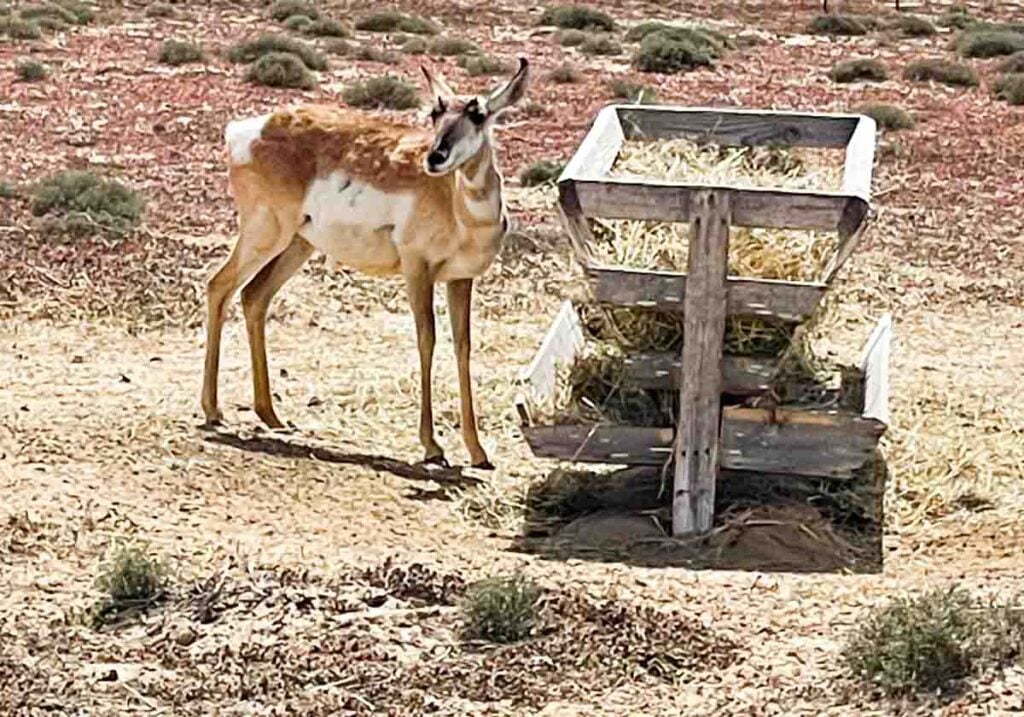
x=345, y=185
x=439, y=109
x=474, y=113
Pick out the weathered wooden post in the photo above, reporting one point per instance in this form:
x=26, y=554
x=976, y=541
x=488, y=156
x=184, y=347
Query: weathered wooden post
x=697, y=432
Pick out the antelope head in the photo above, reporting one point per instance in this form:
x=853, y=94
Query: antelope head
x=463, y=124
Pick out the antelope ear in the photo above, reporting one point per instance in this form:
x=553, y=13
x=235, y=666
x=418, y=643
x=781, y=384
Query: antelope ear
x=440, y=92
x=511, y=92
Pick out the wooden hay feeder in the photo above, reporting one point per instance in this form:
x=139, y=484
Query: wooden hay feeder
x=798, y=442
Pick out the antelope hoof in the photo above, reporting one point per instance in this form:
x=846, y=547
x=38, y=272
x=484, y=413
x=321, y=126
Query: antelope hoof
x=270, y=419
x=214, y=419
x=484, y=465
x=439, y=460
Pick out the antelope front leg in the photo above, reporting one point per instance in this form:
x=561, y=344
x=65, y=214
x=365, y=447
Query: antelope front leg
x=460, y=298
x=420, y=287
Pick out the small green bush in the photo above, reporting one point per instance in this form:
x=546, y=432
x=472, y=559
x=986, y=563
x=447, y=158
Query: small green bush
x=632, y=92
x=285, y=9
x=9, y=190
x=52, y=24
x=131, y=579
x=83, y=12
x=501, y=609
x=106, y=205
x=888, y=117
x=450, y=46
x=338, y=47
x=846, y=25
x=415, y=46
x=281, y=69
x=933, y=642
x=577, y=17
x=662, y=52
x=160, y=9
x=859, y=69
x=571, y=38
x=18, y=29
x=368, y=53
x=958, y=16
x=382, y=92
x=392, y=21
x=31, y=71
x=297, y=23
x=50, y=10
x=639, y=32
x=252, y=50
x=179, y=52
x=600, y=45
x=325, y=27
x=543, y=172
x=565, y=74
x=994, y=43
x=950, y=73
x=914, y=26
x=1012, y=64
x=481, y=65
x=1010, y=88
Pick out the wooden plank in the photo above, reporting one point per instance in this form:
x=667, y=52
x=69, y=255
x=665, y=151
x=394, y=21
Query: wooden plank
x=805, y=443
x=581, y=238
x=797, y=442
x=562, y=342
x=741, y=375
x=788, y=301
x=860, y=158
x=697, y=439
x=737, y=127
x=656, y=200
x=599, y=148
x=875, y=365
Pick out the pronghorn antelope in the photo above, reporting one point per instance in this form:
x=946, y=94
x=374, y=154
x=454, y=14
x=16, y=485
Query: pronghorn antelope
x=376, y=196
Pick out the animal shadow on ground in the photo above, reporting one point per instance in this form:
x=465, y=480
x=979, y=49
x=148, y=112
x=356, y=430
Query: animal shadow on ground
x=447, y=477
x=762, y=522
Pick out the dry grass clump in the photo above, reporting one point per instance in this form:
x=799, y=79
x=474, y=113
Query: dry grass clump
x=859, y=69
x=993, y=43
x=9, y=190
x=502, y=609
x=19, y=29
x=542, y=172
x=931, y=643
x=297, y=23
x=914, y=26
x=577, y=17
x=386, y=92
x=888, y=117
x=633, y=92
x=132, y=580
x=673, y=51
x=160, y=9
x=285, y=9
x=450, y=46
x=252, y=50
x=701, y=36
x=565, y=74
x=600, y=45
x=841, y=25
x=369, y=53
x=1013, y=64
x=31, y=71
x=82, y=203
x=954, y=74
x=281, y=69
x=482, y=65
x=415, y=46
x=392, y=21
x=338, y=46
x=325, y=27
x=1010, y=88
x=179, y=52
x=958, y=16
x=571, y=38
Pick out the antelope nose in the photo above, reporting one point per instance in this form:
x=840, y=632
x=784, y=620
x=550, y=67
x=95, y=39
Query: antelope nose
x=437, y=157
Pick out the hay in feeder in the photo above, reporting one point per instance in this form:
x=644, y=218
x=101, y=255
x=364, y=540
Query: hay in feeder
x=759, y=252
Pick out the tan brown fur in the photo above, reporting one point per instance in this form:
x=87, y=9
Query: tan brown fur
x=301, y=143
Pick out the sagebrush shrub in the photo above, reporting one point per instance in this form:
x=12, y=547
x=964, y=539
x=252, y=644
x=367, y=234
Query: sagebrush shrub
x=480, y=65
x=131, y=578
x=31, y=71
x=600, y=45
x=382, y=92
x=914, y=26
x=565, y=74
x=577, y=17
x=501, y=609
x=1010, y=88
x=393, y=21
x=1012, y=64
x=179, y=52
x=106, y=205
x=252, y=50
x=888, y=117
x=571, y=38
x=543, y=172
x=284, y=9
x=666, y=53
x=281, y=69
x=842, y=25
x=859, y=69
x=995, y=43
x=326, y=27
x=632, y=91
x=955, y=74
x=449, y=46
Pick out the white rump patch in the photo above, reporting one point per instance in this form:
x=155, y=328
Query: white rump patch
x=240, y=135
